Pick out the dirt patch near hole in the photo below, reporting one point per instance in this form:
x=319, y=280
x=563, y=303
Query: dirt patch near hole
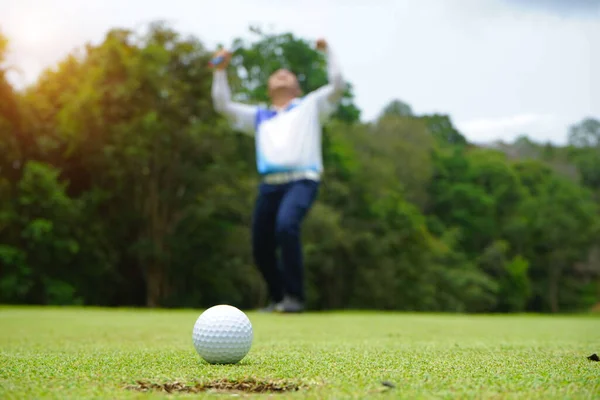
x=248, y=385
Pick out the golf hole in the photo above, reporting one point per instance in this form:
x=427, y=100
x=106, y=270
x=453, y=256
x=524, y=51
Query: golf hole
x=249, y=385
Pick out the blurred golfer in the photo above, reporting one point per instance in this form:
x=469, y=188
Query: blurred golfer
x=289, y=161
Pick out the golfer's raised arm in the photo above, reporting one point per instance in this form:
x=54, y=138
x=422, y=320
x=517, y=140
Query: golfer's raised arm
x=334, y=74
x=241, y=116
x=329, y=95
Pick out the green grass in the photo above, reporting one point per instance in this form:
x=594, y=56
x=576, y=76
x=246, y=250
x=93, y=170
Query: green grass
x=77, y=353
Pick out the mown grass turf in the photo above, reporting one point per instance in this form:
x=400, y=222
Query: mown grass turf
x=78, y=353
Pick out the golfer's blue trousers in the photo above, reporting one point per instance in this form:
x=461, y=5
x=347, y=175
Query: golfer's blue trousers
x=276, y=225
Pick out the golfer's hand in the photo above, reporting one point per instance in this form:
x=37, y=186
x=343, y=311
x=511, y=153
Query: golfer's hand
x=226, y=58
x=321, y=44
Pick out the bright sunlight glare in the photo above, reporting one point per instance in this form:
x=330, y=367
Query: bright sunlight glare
x=33, y=32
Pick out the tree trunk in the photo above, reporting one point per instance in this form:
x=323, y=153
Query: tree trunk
x=554, y=277
x=154, y=282
x=155, y=267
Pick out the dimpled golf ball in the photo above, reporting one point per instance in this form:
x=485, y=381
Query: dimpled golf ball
x=222, y=335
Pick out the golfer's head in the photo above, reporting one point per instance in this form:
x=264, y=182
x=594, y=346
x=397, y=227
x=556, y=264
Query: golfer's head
x=283, y=81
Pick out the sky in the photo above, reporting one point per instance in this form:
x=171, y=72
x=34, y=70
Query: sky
x=499, y=68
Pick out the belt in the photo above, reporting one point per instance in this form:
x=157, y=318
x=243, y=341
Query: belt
x=278, y=178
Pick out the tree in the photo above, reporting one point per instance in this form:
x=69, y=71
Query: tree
x=397, y=108
x=475, y=191
x=443, y=131
x=14, y=143
x=585, y=134
x=51, y=256
x=136, y=129
x=510, y=275
x=405, y=146
x=561, y=228
x=584, y=152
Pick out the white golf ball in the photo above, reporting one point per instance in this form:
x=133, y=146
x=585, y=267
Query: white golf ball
x=222, y=335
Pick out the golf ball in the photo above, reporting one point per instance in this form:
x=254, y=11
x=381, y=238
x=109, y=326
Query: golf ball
x=222, y=335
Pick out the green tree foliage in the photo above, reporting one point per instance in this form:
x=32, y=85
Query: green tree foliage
x=561, y=228
x=586, y=133
x=13, y=141
x=442, y=129
x=584, y=151
x=405, y=146
x=120, y=185
x=43, y=216
x=397, y=108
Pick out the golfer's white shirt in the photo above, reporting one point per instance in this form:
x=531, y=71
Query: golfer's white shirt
x=287, y=140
